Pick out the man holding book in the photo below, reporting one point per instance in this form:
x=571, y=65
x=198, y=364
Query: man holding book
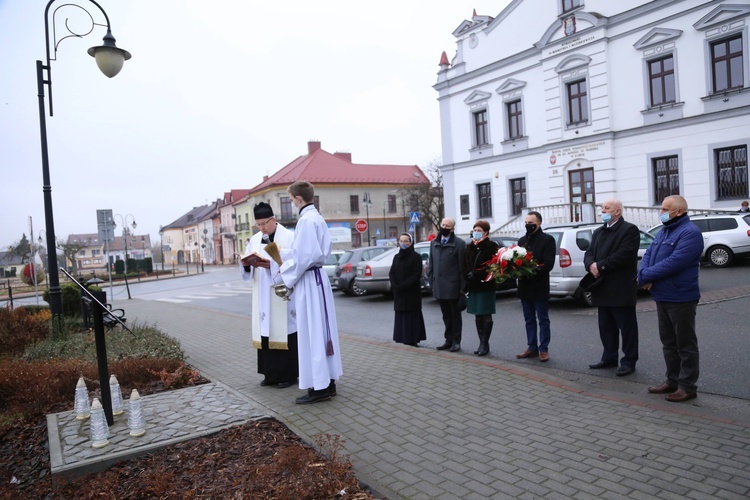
x=274, y=327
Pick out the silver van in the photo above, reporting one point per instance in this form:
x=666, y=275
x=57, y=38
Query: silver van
x=571, y=242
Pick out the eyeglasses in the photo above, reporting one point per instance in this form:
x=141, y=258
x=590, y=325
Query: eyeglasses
x=264, y=223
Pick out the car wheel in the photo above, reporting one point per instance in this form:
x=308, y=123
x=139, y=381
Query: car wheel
x=720, y=256
x=355, y=290
x=584, y=297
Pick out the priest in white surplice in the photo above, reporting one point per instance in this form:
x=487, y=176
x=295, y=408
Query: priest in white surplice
x=274, y=326
x=302, y=273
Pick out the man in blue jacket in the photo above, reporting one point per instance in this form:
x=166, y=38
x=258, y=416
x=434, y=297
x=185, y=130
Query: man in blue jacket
x=669, y=270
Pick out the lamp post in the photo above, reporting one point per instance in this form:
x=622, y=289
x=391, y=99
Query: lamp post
x=366, y=201
x=125, y=236
x=110, y=60
x=161, y=244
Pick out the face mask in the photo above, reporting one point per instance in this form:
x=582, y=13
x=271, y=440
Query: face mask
x=404, y=246
x=445, y=232
x=664, y=217
x=477, y=235
x=606, y=218
x=530, y=228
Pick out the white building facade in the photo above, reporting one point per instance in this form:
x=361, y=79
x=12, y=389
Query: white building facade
x=586, y=100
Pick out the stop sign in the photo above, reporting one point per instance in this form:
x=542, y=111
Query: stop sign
x=361, y=225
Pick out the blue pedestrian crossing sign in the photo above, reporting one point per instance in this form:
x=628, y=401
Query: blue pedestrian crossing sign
x=414, y=217
x=412, y=228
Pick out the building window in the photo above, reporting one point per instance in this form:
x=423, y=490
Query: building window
x=414, y=203
x=666, y=177
x=480, y=128
x=464, y=202
x=286, y=208
x=661, y=81
x=726, y=64
x=316, y=202
x=515, y=129
x=354, y=203
x=82, y=252
x=518, y=194
x=484, y=194
x=731, y=172
x=568, y=5
x=391, y=203
x=578, y=109
x=393, y=231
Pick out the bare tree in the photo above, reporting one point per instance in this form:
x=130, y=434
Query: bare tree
x=21, y=249
x=427, y=200
x=70, y=250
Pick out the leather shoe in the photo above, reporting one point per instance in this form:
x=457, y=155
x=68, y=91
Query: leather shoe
x=455, y=347
x=662, y=389
x=266, y=383
x=543, y=356
x=284, y=385
x=332, y=388
x=445, y=346
x=528, y=353
x=681, y=395
x=314, y=397
x=603, y=364
x=624, y=370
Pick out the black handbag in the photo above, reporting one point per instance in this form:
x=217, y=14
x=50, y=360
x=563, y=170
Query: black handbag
x=463, y=301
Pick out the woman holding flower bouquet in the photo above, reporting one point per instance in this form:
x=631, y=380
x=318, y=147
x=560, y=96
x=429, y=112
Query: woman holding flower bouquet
x=481, y=291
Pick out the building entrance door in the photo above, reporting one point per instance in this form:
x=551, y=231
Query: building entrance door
x=581, y=191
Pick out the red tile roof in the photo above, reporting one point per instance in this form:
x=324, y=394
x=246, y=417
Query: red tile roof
x=321, y=167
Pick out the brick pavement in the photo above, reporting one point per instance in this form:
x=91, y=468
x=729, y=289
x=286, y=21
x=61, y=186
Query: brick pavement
x=421, y=424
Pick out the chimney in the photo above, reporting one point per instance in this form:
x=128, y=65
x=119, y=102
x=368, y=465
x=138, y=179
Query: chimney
x=265, y=178
x=312, y=146
x=343, y=155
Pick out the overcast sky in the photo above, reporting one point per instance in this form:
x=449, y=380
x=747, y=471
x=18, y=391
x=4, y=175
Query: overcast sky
x=218, y=93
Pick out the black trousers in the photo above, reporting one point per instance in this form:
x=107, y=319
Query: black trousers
x=616, y=321
x=679, y=343
x=451, y=319
x=279, y=365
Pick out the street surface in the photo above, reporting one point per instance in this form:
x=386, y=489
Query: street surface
x=722, y=327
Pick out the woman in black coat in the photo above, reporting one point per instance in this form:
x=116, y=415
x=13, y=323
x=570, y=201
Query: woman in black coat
x=405, y=274
x=481, y=300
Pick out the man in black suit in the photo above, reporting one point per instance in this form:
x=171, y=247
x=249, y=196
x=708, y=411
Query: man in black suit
x=612, y=258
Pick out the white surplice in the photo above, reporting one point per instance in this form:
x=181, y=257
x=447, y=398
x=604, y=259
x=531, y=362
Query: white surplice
x=272, y=316
x=313, y=297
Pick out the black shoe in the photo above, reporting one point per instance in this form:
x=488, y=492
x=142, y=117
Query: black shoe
x=284, y=385
x=332, y=388
x=445, y=346
x=624, y=370
x=314, y=397
x=456, y=347
x=267, y=383
x=603, y=364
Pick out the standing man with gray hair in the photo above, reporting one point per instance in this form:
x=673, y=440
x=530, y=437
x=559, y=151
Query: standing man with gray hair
x=612, y=258
x=447, y=281
x=669, y=270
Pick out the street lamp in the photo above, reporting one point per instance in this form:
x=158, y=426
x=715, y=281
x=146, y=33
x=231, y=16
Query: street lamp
x=125, y=236
x=161, y=242
x=110, y=60
x=367, y=202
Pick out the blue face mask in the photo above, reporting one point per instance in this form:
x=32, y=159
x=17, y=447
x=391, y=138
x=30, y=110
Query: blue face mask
x=477, y=235
x=664, y=217
x=404, y=246
x=606, y=218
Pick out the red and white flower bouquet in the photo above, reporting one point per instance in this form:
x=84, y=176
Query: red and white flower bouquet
x=511, y=263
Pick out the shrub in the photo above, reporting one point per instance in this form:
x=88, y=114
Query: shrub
x=71, y=299
x=20, y=328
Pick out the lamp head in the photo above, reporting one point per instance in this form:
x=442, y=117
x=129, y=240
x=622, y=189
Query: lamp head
x=108, y=56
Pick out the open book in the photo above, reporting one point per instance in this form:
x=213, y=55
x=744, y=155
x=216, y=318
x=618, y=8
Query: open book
x=253, y=260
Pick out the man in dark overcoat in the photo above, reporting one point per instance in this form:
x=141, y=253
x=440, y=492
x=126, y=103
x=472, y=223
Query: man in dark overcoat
x=612, y=258
x=446, y=280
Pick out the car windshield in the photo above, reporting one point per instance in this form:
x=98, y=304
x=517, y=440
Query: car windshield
x=386, y=254
x=346, y=257
x=332, y=259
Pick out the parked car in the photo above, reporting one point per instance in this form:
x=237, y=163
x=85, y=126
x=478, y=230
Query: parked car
x=372, y=275
x=725, y=236
x=571, y=242
x=346, y=268
x=330, y=265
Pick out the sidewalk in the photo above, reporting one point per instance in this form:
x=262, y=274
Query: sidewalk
x=421, y=424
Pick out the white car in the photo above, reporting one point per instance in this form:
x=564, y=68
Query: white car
x=725, y=236
x=373, y=275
